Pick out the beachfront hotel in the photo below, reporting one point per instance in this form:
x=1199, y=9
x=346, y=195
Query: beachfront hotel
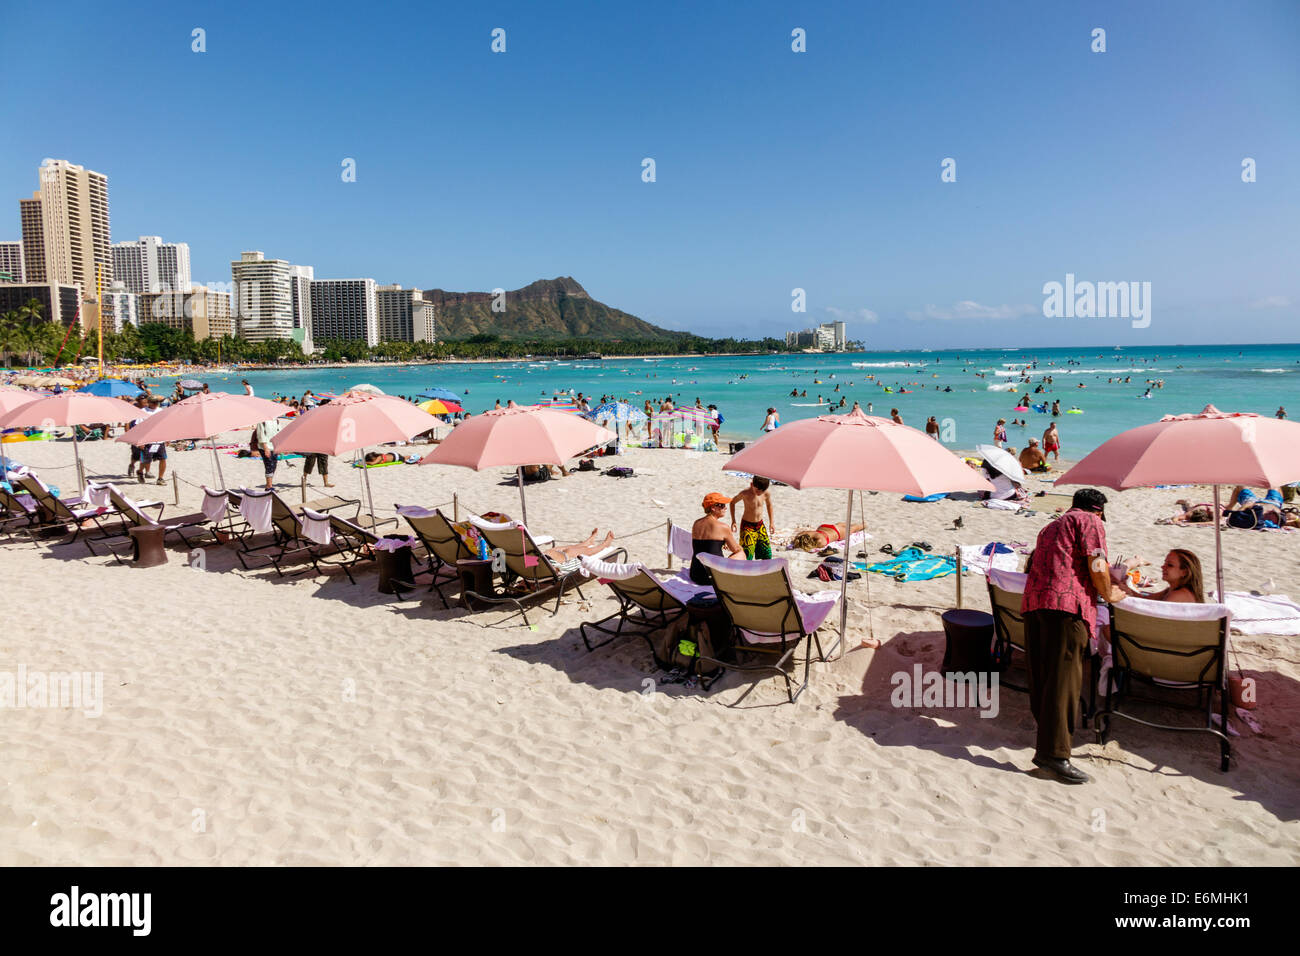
x=60, y=302
x=11, y=262
x=203, y=312
x=300, y=278
x=263, y=297
x=344, y=309
x=827, y=337
x=67, y=221
x=148, y=264
x=404, y=315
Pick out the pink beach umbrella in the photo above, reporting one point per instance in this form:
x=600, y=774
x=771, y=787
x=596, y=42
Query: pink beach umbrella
x=1211, y=448
x=203, y=416
x=12, y=397
x=514, y=437
x=857, y=453
x=66, y=410
x=355, y=421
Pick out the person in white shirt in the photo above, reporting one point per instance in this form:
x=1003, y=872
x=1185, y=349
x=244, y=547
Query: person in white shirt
x=248, y=389
x=773, y=420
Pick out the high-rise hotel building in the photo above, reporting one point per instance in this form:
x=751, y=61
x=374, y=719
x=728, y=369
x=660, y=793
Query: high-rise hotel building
x=11, y=262
x=67, y=221
x=150, y=265
x=262, y=298
x=344, y=309
x=404, y=316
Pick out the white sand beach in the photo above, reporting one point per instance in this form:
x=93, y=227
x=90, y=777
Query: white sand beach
x=253, y=719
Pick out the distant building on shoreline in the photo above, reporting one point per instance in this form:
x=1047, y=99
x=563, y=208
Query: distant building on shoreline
x=148, y=264
x=404, y=315
x=827, y=337
x=344, y=309
x=59, y=302
x=11, y=262
x=204, y=313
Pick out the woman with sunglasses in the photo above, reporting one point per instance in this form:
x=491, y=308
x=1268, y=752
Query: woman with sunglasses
x=710, y=535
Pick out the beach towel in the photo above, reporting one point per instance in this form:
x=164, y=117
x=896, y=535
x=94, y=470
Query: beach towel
x=928, y=498
x=913, y=564
x=96, y=495
x=315, y=526
x=980, y=558
x=214, y=504
x=256, y=510
x=1002, y=505
x=680, y=543
x=1263, y=613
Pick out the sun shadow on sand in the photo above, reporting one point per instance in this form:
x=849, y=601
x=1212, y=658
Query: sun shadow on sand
x=1265, y=767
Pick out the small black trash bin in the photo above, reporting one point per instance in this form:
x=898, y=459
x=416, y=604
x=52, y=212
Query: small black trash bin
x=969, y=646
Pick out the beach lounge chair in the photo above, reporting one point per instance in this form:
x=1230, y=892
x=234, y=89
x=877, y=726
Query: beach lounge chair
x=198, y=524
x=529, y=574
x=347, y=545
x=20, y=515
x=769, y=617
x=1178, y=647
x=266, y=512
x=443, y=544
x=56, y=512
x=647, y=605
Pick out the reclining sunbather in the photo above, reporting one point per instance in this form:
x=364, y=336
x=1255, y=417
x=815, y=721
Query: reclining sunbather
x=381, y=457
x=1181, y=571
x=569, y=553
x=821, y=536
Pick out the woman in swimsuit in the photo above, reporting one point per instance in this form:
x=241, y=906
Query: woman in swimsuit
x=1181, y=571
x=822, y=536
x=710, y=535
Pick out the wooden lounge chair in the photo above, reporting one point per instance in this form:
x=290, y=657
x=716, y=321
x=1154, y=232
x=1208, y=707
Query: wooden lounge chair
x=1178, y=647
x=443, y=544
x=647, y=605
x=528, y=573
x=56, y=512
x=769, y=617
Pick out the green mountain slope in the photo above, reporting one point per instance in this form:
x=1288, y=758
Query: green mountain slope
x=545, y=309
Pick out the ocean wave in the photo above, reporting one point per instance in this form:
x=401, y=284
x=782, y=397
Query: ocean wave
x=1270, y=370
x=1001, y=388
x=889, y=365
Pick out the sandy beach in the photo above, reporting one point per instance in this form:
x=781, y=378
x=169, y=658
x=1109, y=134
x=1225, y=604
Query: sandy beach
x=253, y=719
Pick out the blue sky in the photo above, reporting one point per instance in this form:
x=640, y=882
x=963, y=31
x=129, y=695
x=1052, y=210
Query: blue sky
x=775, y=169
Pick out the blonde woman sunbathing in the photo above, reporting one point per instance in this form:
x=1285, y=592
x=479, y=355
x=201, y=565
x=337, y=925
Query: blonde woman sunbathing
x=816, y=539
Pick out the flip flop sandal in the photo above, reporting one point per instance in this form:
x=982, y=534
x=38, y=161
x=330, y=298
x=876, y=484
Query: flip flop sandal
x=887, y=549
x=923, y=545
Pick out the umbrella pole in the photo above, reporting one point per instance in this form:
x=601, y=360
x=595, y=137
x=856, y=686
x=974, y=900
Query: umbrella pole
x=523, y=505
x=369, y=493
x=76, y=452
x=1218, y=547
x=844, y=578
x=212, y=443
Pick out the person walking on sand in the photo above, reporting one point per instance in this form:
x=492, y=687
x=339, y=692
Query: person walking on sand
x=1281, y=412
x=755, y=539
x=773, y=420
x=1068, y=572
x=932, y=428
x=999, y=433
x=1052, y=442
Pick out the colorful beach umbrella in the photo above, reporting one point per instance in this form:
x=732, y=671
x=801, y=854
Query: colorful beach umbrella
x=368, y=389
x=1210, y=448
x=856, y=452
x=514, y=437
x=437, y=406
x=617, y=412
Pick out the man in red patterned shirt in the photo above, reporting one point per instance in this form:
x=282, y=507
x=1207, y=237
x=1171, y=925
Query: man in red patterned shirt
x=1068, y=572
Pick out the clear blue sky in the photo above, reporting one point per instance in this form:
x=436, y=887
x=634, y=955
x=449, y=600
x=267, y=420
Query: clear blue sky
x=775, y=170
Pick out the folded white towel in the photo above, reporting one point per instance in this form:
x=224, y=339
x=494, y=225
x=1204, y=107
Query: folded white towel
x=256, y=509
x=316, y=527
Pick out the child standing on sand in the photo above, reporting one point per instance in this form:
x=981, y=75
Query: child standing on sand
x=755, y=540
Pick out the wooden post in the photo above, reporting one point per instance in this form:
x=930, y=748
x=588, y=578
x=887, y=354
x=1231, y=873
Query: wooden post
x=176, y=490
x=455, y=507
x=304, y=487
x=669, y=525
x=958, y=576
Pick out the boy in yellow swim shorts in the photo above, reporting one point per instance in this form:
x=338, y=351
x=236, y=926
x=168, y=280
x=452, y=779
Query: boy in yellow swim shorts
x=755, y=539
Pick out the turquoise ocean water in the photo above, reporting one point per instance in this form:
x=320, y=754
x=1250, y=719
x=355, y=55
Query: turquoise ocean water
x=1255, y=378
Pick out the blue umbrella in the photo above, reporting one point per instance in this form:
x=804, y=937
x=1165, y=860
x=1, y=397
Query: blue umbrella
x=618, y=412
x=442, y=393
x=110, y=388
